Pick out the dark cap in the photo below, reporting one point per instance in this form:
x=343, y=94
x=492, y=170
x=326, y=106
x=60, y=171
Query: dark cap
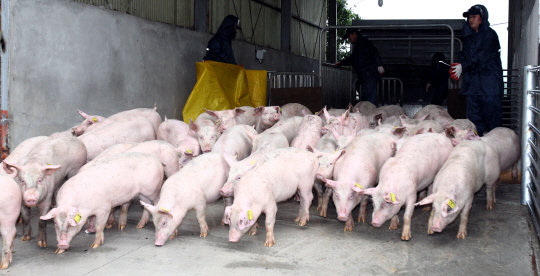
x=350, y=31
x=474, y=10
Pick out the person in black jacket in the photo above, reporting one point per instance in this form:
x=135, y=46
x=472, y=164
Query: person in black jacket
x=438, y=81
x=366, y=62
x=479, y=64
x=219, y=47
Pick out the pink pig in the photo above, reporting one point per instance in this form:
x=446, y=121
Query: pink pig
x=206, y=130
x=384, y=112
x=309, y=132
x=114, y=181
x=10, y=206
x=364, y=107
x=228, y=117
x=469, y=166
x=266, y=117
x=40, y=173
x=294, y=109
x=177, y=133
x=275, y=177
x=89, y=120
x=22, y=150
x=360, y=165
x=400, y=179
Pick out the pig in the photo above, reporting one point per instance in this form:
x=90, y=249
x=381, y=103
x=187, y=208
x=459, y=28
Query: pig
x=445, y=120
x=40, y=173
x=133, y=130
x=393, y=120
x=164, y=151
x=114, y=181
x=22, y=150
x=195, y=186
x=275, y=177
x=66, y=133
x=235, y=141
x=266, y=117
x=10, y=205
x=177, y=133
x=89, y=120
x=113, y=150
x=431, y=111
x=364, y=107
x=506, y=143
x=398, y=132
x=148, y=113
x=458, y=128
x=288, y=127
x=294, y=109
x=360, y=165
x=400, y=179
x=206, y=130
x=469, y=166
x=425, y=126
x=384, y=112
x=228, y=118
x=309, y=132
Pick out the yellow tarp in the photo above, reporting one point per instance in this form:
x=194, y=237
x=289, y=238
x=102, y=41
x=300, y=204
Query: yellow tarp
x=223, y=86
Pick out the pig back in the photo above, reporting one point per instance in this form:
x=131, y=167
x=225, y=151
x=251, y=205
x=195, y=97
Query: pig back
x=164, y=151
x=235, y=141
x=506, y=143
x=147, y=113
x=22, y=150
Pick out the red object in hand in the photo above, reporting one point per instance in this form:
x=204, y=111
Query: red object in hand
x=241, y=65
x=338, y=64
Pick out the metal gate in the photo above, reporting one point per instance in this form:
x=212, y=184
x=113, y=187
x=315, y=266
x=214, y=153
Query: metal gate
x=511, y=100
x=290, y=80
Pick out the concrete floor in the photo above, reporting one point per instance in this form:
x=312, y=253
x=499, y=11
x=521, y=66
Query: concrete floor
x=499, y=242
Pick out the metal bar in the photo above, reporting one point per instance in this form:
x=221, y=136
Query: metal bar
x=529, y=83
x=413, y=38
x=534, y=220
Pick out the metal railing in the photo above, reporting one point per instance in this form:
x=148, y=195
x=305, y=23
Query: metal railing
x=390, y=91
x=337, y=86
x=291, y=80
x=530, y=135
x=511, y=100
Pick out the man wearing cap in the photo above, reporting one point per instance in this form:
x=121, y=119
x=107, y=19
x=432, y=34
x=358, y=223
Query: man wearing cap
x=219, y=47
x=479, y=66
x=366, y=62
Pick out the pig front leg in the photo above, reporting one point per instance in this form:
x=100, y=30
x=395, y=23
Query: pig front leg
x=122, y=219
x=27, y=227
x=409, y=209
x=326, y=198
x=394, y=223
x=8, y=235
x=464, y=219
x=253, y=229
x=349, y=225
x=490, y=190
x=363, y=209
x=201, y=210
x=228, y=201
x=111, y=220
x=320, y=192
x=430, y=222
x=101, y=221
x=270, y=220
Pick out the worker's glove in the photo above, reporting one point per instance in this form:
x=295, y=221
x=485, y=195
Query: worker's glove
x=338, y=64
x=428, y=87
x=455, y=71
x=381, y=70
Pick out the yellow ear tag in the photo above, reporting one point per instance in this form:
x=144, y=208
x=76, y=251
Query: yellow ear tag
x=217, y=122
x=189, y=151
x=252, y=162
x=48, y=164
x=166, y=210
x=77, y=218
x=476, y=133
x=94, y=119
x=451, y=203
x=358, y=185
x=392, y=197
x=250, y=215
x=316, y=113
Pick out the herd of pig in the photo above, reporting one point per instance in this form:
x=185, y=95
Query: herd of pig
x=253, y=158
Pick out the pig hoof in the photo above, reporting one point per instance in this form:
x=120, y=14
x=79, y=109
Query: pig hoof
x=4, y=265
x=269, y=243
x=140, y=225
x=393, y=227
x=59, y=251
x=121, y=227
x=361, y=219
x=20, y=220
x=348, y=228
x=26, y=238
x=42, y=244
x=322, y=213
x=95, y=245
x=109, y=226
x=427, y=208
x=302, y=223
x=430, y=232
x=405, y=237
x=461, y=235
x=489, y=207
x=252, y=232
x=222, y=223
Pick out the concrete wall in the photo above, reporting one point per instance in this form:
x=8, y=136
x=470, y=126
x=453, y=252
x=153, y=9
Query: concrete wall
x=65, y=55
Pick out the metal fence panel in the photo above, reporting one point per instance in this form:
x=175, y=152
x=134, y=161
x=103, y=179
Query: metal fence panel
x=336, y=86
x=511, y=100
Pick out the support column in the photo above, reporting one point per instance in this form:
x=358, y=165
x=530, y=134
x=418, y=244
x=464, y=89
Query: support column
x=201, y=15
x=286, y=20
x=331, y=54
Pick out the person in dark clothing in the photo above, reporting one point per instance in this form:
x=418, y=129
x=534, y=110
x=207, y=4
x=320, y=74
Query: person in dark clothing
x=219, y=47
x=438, y=81
x=480, y=64
x=366, y=62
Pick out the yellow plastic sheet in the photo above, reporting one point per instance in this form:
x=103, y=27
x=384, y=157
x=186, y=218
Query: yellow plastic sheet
x=223, y=86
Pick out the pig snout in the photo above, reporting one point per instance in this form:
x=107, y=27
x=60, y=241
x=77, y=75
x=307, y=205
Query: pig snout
x=376, y=224
x=30, y=201
x=276, y=117
x=436, y=229
x=206, y=148
x=63, y=245
x=77, y=131
x=234, y=235
x=342, y=215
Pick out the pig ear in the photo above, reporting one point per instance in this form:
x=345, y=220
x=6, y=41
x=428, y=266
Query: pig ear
x=350, y=107
x=258, y=111
x=331, y=183
x=10, y=168
x=402, y=119
x=336, y=134
x=337, y=154
x=455, y=141
x=423, y=117
x=420, y=131
x=471, y=135
x=149, y=207
x=193, y=127
x=238, y=111
x=51, y=214
x=314, y=150
x=212, y=113
x=378, y=117
x=450, y=132
x=379, y=122
x=71, y=217
x=445, y=205
x=277, y=108
x=84, y=115
x=229, y=159
x=165, y=118
x=50, y=169
x=249, y=134
x=370, y=191
x=391, y=198
x=321, y=177
x=399, y=131
x=326, y=114
x=357, y=187
x=162, y=210
x=425, y=201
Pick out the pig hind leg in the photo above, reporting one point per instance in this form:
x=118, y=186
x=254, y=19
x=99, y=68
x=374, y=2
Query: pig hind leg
x=201, y=211
x=8, y=235
x=490, y=190
x=363, y=209
x=306, y=197
x=145, y=215
x=326, y=199
x=27, y=227
x=269, y=222
x=464, y=219
x=320, y=192
x=122, y=219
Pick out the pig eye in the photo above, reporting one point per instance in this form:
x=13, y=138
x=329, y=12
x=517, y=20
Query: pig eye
x=163, y=224
x=238, y=177
x=351, y=196
x=22, y=181
x=213, y=136
x=336, y=196
x=200, y=137
x=89, y=123
x=330, y=164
